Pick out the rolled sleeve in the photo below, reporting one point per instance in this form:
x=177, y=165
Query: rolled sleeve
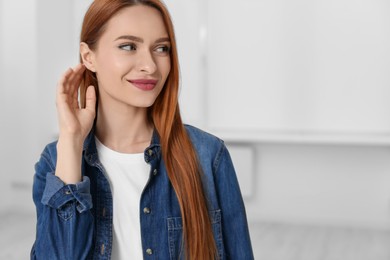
x=57, y=194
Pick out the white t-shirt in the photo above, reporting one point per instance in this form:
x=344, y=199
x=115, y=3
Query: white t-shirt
x=127, y=175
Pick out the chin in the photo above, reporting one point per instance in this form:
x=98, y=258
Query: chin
x=144, y=104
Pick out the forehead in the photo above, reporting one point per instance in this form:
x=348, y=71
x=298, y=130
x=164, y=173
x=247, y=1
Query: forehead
x=139, y=20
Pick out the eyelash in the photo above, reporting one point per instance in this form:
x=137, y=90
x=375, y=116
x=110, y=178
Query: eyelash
x=133, y=47
x=165, y=49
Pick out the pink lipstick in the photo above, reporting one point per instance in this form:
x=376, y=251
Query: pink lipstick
x=144, y=84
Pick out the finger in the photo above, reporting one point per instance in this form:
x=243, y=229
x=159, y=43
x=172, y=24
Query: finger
x=63, y=82
x=75, y=79
x=64, y=95
x=70, y=83
x=90, y=99
x=68, y=86
x=78, y=71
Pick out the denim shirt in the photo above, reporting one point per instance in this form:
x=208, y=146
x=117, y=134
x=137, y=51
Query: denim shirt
x=75, y=221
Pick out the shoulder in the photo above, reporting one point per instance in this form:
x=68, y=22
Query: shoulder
x=208, y=146
x=200, y=137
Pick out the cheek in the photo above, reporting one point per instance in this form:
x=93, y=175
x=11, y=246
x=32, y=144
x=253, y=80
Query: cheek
x=110, y=72
x=113, y=64
x=165, y=67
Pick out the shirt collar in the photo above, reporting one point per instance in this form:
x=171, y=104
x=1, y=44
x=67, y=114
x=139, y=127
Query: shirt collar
x=152, y=152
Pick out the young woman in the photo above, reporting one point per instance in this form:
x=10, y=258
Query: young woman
x=126, y=179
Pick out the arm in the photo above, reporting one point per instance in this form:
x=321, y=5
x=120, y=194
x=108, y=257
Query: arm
x=74, y=123
x=62, y=197
x=64, y=221
x=235, y=230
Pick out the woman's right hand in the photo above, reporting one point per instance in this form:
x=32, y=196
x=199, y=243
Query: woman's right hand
x=74, y=122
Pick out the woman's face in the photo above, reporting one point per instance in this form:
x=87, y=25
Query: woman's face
x=132, y=58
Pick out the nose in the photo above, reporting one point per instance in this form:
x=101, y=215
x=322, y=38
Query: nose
x=146, y=62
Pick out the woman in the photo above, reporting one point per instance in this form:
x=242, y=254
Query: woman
x=126, y=179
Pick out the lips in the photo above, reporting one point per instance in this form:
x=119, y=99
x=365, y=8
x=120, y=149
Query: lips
x=144, y=84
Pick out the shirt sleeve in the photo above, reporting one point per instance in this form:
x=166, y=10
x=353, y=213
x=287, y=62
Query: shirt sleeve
x=236, y=238
x=64, y=221
x=57, y=194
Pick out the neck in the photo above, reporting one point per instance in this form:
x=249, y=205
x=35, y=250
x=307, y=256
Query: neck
x=124, y=128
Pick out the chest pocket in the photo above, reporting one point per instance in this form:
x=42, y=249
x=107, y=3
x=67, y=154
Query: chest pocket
x=175, y=232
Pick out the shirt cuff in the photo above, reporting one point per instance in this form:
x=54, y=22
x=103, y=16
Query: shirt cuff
x=57, y=193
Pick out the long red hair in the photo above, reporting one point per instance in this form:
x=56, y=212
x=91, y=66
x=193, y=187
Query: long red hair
x=183, y=169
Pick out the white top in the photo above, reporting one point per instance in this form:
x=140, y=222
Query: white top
x=127, y=175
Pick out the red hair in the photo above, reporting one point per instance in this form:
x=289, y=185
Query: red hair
x=183, y=169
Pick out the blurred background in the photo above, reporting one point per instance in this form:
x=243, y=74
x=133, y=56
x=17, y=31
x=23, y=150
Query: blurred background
x=299, y=90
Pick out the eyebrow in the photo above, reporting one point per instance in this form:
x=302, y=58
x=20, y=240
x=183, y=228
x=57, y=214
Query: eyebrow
x=138, y=39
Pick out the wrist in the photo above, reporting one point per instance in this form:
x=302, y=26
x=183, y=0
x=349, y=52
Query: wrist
x=72, y=142
x=69, y=157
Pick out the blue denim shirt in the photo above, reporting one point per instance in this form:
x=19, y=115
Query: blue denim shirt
x=75, y=221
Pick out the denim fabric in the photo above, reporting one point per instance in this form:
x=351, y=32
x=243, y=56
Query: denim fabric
x=75, y=221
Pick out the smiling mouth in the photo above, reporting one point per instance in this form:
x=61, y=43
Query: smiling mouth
x=144, y=84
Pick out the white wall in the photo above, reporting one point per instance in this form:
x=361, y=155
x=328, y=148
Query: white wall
x=189, y=18
x=19, y=118
x=305, y=67
x=58, y=27
x=3, y=185
x=302, y=65
x=322, y=184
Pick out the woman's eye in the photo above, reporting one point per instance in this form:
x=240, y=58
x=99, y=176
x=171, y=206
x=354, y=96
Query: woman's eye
x=128, y=47
x=163, y=49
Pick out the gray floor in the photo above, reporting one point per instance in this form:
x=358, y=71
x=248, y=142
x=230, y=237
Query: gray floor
x=271, y=241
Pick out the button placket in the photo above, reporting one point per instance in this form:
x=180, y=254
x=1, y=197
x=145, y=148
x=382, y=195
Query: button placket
x=150, y=157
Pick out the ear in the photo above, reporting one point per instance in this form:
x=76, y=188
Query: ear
x=87, y=56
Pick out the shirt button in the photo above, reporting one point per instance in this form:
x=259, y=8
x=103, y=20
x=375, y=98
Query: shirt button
x=67, y=192
x=104, y=212
x=150, y=152
x=146, y=210
x=155, y=172
x=149, y=251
